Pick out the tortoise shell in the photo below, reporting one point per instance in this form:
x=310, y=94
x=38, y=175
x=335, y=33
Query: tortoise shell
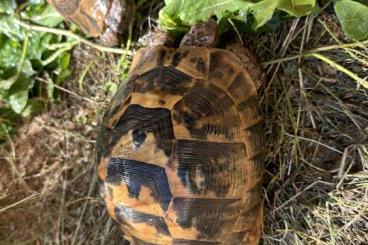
x=180, y=149
x=98, y=18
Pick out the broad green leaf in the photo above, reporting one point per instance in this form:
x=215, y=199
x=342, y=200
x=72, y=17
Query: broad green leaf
x=263, y=11
x=33, y=106
x=9, y=28
x=297, y=7
x=65, y=60
x=179, y=15
x=353, y=17
x=12, y=76
x=7, y=6
x=43, y=15
x=18, y=94
x=203, y=10
x=183, y=13
x=10, y=51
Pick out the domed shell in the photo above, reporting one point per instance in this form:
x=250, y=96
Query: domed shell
x=98, y=18
x=180, y=150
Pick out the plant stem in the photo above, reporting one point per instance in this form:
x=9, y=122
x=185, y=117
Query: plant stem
x=71, y=35
x=58, y=53
x=359, y=80
x=316, y=50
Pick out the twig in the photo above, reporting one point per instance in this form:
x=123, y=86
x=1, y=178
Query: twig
x=315, y=141
x=296, y=195
x=67, y=91
x=83, y=211
x=56, y=31
x=19, y=202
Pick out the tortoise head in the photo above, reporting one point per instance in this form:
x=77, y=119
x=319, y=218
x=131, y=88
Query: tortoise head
x=105, y=19
x=202, y=34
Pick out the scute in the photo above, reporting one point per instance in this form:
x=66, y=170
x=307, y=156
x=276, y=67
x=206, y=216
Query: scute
x=181, y=150
x=89, y=15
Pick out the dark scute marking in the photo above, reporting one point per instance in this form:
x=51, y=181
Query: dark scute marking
x=240, y=88
x=192, y=242
x=155, y=120
x=218, y=66
x=138, y=241
x=92, y=21
x=125, y=213
x=116, y=109
x=215, y=65
x=162, y=102
x=135, y=174
x=216, y=164
x=161, y=56
x=188, y=120
x=211, y=217
x=205, y=100
x=139, y=136
x=125, y=89
x=178, y=57
x=201, y=65
x=165, y=79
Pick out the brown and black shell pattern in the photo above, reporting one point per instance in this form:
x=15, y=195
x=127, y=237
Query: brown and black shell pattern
x=181, y=150
x=105, y=19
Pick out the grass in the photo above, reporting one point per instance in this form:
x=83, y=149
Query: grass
x=315, y=109
x=316, y=179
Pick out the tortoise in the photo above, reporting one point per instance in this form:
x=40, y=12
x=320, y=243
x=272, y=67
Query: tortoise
x=180, y=149
x=106, y=19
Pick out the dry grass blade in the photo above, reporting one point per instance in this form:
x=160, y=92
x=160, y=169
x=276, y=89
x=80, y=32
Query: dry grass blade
x=316, y=187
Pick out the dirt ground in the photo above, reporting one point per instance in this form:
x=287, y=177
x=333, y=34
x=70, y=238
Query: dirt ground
x=316, y=120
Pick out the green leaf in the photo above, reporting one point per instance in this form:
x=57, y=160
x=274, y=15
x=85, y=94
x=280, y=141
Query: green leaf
x=353, y=17
x=110, y=87
x=183, y=13
x=65, y=61
x=10, y=51
x=43, y=15
x=263, y=11
x=7, y=6
x=9, y=28
x=297, y=7
x=179, y=15
x=18, y=94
